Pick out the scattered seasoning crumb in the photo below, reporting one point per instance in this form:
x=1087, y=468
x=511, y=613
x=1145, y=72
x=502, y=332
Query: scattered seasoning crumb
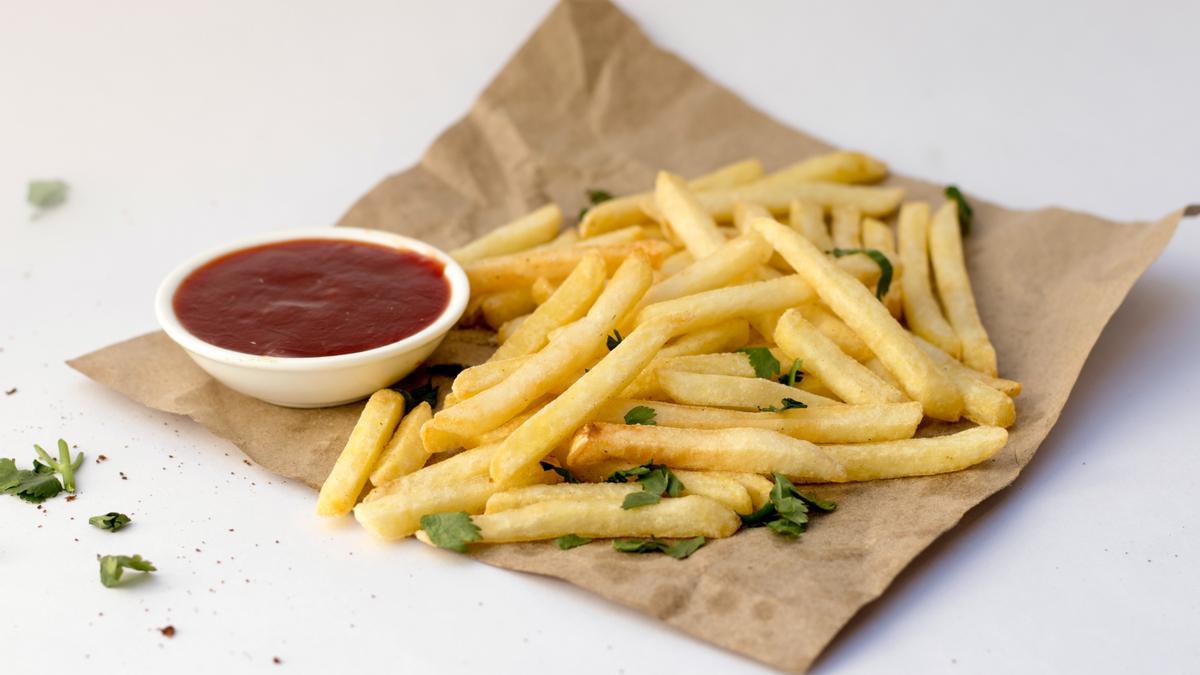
x=276, y=660
x=167, y=631
x=101, y=458
x=247, y=462
x=10, y=392
x=122, y=475
x=71, y=498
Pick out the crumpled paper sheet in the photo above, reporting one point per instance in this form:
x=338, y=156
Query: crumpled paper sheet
x=588, y=102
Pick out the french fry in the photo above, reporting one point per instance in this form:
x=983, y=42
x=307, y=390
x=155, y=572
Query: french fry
x=728, y=335
x=731, y=261
x=982, y=404
x=744, y=212
x=722, y=304
x=685, y=217
x=625, y=235
x=559, y=359
x=535, y=494
x=808, y=219
x=509, y=327
x=726, y=391
x=921, y=309
x=404, y=453
x=736, y=364
x=877, y=235
x=569, y=237
x=954, y=287
x=846, y=378
x=536, y=227
x=758, y=487
x=717, y=485
x=554, y=423
x=496, y=436
x=467, y=464
x=876, y=366
x=1011, y=388
x=838, y=167
x=918, y=456
x=751, y=450
x=624, y=211
x=777, y=196
x=569, y=302
x=502, y=306
x=836, y=330
x=522, y=269
x=858, y=308
x=484, y=376
x=542, y=289
x=349, y=475
x=676, y=262
x=845, y=227
x=680, y=517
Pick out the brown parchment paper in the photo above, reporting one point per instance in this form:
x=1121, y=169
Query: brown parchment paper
x=589, y=101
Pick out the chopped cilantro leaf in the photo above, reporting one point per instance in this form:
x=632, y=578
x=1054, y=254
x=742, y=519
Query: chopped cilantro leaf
x=787, y=511
x=785, y=404
x=656, y=480
x=569, y=541
x=678, y=550
x=450, y=530
x=32, y=486
x=641, y=414
x=111, y=521
x=641, y=498
x=965, y=212
x=594, y=197
x=793, y=375
x=885, y=266
x=684, y=547
x=566, y=474
x=764, y=362
x=46, y=194
x=112, y=566
x=614, y=340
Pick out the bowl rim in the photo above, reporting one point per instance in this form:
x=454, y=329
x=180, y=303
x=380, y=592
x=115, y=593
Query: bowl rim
x=460, y=292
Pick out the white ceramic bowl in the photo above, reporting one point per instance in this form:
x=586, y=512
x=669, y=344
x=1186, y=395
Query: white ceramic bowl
x=314, y=382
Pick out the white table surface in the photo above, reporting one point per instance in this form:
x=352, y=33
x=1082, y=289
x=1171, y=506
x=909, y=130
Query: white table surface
x=180, y=125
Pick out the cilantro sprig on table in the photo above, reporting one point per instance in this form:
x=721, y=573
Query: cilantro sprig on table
x=112, y=567
x=40, y=483
x=111, y=521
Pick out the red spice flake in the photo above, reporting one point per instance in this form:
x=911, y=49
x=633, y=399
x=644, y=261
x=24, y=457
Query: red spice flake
x=247, y=462
x=10, y=392
x=70, y=498
x=101, y=458
x=276, y=660
x=167, y=631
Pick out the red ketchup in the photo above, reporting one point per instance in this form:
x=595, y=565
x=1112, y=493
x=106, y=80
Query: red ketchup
x=312, y=297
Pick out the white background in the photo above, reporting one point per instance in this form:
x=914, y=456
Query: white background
x=180, y=125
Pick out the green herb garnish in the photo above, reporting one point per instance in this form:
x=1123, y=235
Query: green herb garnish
x=885, y=266
x=112, y=566
x=569, y=541
x=64, y=465
x=656, y=480
x=36, y=485
x=594, y=197
x=111, y=521
x=763, y=361
x=965, y=212
x=678, y=550
x=785, y=404
x=450, y=530
x=566, y=474
x=641, y=414
x=793, y=375
x=46, y=194
x=787, y=511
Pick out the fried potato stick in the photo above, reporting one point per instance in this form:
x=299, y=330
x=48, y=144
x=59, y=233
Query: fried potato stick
x=921, y=309
x=536, y=227
x=954, y=287
x=349, y=475
x=918, y=456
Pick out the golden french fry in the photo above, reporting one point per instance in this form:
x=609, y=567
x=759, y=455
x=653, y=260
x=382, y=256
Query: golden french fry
x=842, y=166
x=484, y=376
x=845, y=227
x=569, y=302
x=857, y=306
x=497, y=435
x=554, y=423
x=542, y=289
x=954, y=287
x=685, y=217
x=466, y=464
x=679, y=517
x=821, y=424
x=374, y=427
x=536, y=494
x=1009, y=387
x=752, y=450
x=726, y=391
x=758, y=487
x=625, y=235
x=921, y=309
x=982, y=403
x=560, y=359
x=522, y=269
x=676, y=263
x=777, y=196
x=624, y=211
x=848, y=379
x=509, y=327
x=876, y=366
x=877, y=235
x=744, y=212
x=564, y=239
x=721, y=304
x=736, y=364
x=537, y=227
x=731, y=261
x=404, y=453
x=918, y=456
x=727, y=335
x=503, y=306
x=836, y=330
x=716, y=485
x=808, y=219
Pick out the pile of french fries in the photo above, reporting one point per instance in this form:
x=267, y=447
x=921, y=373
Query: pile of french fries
x=704, y=326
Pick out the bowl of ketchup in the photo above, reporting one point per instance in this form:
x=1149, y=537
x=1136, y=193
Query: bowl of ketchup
x=313, y=318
